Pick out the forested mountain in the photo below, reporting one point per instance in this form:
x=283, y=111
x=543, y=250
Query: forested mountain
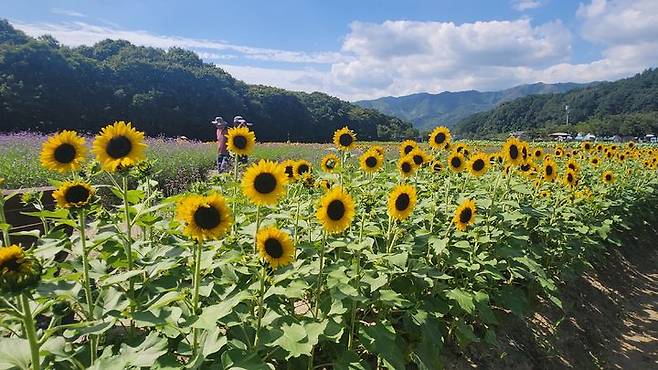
x=426, y=110
x=46, y=86
x=628, y=106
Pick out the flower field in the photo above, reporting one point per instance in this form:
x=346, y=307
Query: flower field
x=371, y=256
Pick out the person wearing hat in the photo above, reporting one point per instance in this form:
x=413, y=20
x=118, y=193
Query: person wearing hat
x=223, y=158
x=238, y=121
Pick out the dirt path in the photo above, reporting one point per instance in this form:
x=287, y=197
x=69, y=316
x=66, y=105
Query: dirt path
x=610, y=320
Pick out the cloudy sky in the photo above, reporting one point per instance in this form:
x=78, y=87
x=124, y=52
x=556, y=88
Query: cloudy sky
x=371, y=48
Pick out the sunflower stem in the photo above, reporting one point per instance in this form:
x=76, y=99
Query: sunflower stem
x=261, y=294
x=235, y=168
x=87, y=283
x=195, y=293
x=129, y=251
x=318, y=289
x=3, y=220
x=257, y=227
x=296, y=237
x=355, y=305
x=30, y=331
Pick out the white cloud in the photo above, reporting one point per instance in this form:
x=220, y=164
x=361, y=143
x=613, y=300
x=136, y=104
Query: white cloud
x=523, y=5
x=67, y=12
x=81, y=33
x=404, y=57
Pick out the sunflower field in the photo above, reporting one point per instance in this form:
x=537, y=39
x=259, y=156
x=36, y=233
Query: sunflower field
x=366, y=259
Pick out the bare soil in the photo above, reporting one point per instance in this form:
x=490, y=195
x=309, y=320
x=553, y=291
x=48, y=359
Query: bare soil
x=610, y=319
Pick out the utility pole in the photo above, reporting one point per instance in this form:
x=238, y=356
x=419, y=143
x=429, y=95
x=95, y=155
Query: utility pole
x=566, y=109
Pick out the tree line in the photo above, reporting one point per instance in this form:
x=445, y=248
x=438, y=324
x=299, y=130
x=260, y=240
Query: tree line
x=628, y=107
x=46, y=86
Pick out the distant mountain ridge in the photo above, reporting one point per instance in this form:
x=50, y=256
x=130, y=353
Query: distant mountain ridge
x=426, y=110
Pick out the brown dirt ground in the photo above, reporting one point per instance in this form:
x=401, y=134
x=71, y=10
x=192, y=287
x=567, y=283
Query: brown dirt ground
x=610, y=320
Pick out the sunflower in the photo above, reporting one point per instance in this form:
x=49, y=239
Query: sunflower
x=465, y=214
x=329, y=162
x=559, y=151
x=401, y=201
x=323, y=184
x=64, y=151
x=538, y=153
x=586, y=145
x=608, y=177
x=275, y=247
x=240, y=140
x=550, y=170
x=371, y=161
x=17, y=271
x=344, y=139
x=478, y=164
x=512, y=150
x=379, y=149
x=439, y=137
x=599, y=147
x=204, y=217
x=419, y=157
x=407, y=146
x=595, y=161
x=119, y=145
x=336, y=210
x=73, y=194
x=302, y=166
x=573, y=165
x=406, y=166
x=437, y=166
x=570, y=178
x=456, y=162
x=264, y=182
x=544, y=193
x=289, y=168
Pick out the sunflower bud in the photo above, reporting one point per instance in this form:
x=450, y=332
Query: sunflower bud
x=18, y=272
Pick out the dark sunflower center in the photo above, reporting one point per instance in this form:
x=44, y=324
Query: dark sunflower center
x=345, y=139
x=587, y=147
x=608, y=177
x=513, y=151
x=76, y=194
x=549, y=170
x=65, y=153
x=119, y=147
x=12, y=264
x=406, y=167
x=207, y=217
x=240, y=142
x=336, y=210
x=525, y=167
x=407, y=149
x=274, y=248
x=302, y=168
x=402, y=202
x=418, y=159
x=572, y=166
x=538, y=154
x=289, y=171
x=465, y=215
x=371, y=162
x=440, y=138
x=570, y=178
x=265, y=183
x=455, y=162
x=478, y=165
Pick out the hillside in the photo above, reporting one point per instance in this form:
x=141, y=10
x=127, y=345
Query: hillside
x=426, y=110
x=45, y=86
x=628, y=106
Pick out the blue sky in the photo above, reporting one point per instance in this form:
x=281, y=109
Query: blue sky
x=367, y=49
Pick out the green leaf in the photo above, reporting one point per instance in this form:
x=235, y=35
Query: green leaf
x=240, y=359
x=212, y=314
x=294, y=340
x=381, y=339
x=429, y=348
x=513, y=299
x=120, y=278
x=213, y=342
x=166, y=299
x=14, y=352
x=463, y=298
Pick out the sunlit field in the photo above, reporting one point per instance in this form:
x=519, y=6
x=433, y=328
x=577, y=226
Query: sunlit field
x=344, y=255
